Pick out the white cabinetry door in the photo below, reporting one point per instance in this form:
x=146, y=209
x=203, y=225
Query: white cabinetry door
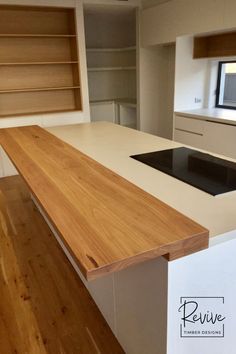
x=104, y=111
x=220, y=138
x=214, y=137
x=188, y=138
x=189, y=131
x=127, y=116
x=189, y=124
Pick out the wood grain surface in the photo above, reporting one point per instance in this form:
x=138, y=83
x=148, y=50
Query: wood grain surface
x=106, y=222
x=39, y=52
x=213, y=46
x=44, y=306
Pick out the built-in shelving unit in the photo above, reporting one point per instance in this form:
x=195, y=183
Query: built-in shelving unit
x=111, y=62
x=39, y=60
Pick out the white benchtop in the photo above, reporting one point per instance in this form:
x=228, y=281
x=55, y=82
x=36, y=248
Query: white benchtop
x=111, y=145
x=226, y=116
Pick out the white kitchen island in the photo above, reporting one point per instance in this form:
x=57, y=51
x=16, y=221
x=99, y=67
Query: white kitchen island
x=141, y=303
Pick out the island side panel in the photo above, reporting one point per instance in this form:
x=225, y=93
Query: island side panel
x=132, y=301
x=141, y=307
x=205, y=281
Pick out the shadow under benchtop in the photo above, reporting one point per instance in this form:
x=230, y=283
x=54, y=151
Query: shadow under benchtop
x=221, y=115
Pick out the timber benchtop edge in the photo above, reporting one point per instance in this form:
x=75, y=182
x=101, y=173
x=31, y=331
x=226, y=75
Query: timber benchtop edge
x=106, y=222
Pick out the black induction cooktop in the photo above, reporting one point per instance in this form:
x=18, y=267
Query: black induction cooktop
x=203, y=171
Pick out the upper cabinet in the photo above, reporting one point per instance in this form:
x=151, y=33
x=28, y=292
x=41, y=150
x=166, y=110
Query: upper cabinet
x=173, y=18
x=39, y=61
x=170, y=19
x=218, y=45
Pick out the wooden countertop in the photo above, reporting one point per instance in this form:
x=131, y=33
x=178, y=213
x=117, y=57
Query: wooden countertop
x=106, y=222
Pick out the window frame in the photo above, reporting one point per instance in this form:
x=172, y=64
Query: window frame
x=218, y=105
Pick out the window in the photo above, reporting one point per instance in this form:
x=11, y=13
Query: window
x=226, y=85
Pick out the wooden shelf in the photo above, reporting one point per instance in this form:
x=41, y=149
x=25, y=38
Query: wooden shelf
x=28, y=103
x=115, y=68
x=125, y=49
x=215, y=46
x=36, y=89
x=18, y=35
x=35, y=113
x=38, y=60
x=41, y=63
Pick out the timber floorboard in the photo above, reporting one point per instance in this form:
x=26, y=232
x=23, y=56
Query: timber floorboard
x=44, y=306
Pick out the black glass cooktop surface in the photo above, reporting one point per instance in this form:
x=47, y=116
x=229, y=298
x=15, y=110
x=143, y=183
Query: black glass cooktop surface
x=203, y=171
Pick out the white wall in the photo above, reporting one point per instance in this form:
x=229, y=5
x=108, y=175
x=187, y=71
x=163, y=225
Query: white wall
x=104, y=85
x=156, y=90
x=191, y=76
x=164, y=22
x=109, y=26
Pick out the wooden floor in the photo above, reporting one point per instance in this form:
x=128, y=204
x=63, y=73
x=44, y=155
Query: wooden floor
x=44, y=307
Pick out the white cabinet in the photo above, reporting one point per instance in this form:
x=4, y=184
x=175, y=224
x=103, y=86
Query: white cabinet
x=127, y=115
x=120, y=112
x=220, y=138
x=190, y=125
x=189, y=138
x=103, y=111
x=189, y=131
x=215, y=137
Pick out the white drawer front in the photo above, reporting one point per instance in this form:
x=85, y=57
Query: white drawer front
x=220, y=138
x=189, y=124
x=190, y=139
